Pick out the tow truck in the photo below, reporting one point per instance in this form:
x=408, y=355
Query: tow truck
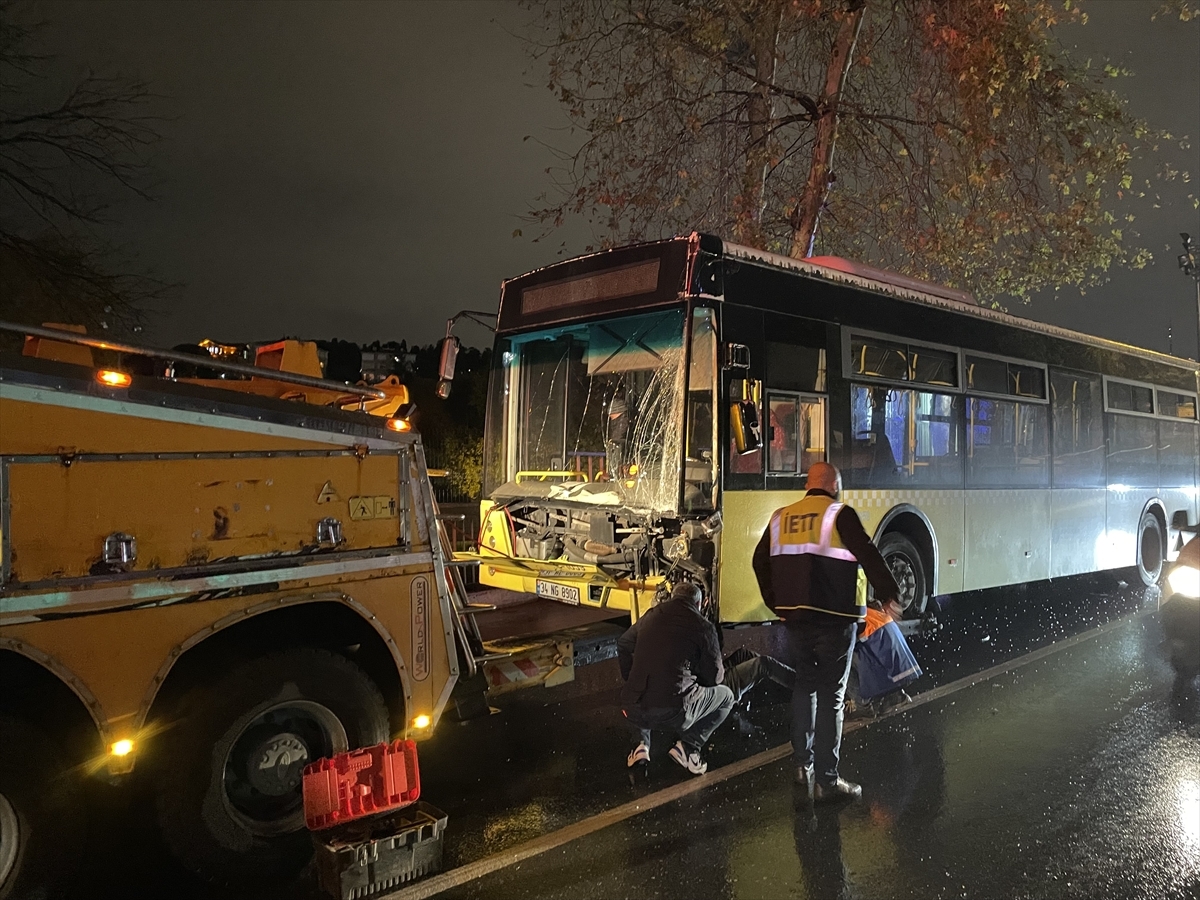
x=211, y=581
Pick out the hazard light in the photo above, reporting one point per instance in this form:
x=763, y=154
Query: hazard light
x=401, y=425
x=122, y=747
x=113, y=378
x=422, y=721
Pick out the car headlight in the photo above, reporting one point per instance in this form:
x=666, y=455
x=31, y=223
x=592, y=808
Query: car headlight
x=1185, y=580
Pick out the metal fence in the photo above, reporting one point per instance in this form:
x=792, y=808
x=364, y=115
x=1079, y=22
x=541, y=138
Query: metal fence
x=442, y=487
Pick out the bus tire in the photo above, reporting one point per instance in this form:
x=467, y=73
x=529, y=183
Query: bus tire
x=907, y=567
x=1151, y=549
x=42, y=817
x=227, y=775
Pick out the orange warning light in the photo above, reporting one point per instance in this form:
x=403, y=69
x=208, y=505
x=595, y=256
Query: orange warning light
x=112, y=378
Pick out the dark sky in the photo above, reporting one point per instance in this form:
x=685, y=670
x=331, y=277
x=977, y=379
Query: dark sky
x=357, y=170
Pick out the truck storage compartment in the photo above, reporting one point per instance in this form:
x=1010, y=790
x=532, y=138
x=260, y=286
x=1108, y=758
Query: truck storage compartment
x=360, y=783
x=366, y=857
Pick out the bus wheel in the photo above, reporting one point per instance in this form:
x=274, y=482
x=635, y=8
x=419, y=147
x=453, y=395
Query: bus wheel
x=41, y=813
x=1150, y=549
x=903, y=558
x=229, y=770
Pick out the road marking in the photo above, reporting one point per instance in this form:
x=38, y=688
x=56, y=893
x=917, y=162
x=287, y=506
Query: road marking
x=457, y=877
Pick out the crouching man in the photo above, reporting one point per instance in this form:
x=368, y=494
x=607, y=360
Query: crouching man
x=671, y=663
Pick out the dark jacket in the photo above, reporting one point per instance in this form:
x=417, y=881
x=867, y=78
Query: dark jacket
x=828, y=584
x=665, y=654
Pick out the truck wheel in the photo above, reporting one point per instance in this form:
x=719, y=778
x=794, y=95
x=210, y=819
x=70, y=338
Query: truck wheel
x=1151, y=549
x=903, y=558
x=41, y=814
x=229, y=768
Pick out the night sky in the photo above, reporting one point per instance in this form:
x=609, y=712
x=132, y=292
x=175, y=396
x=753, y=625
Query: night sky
x=357, y=170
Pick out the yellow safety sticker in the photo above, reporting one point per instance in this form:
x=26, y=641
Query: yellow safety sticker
x=383, y=507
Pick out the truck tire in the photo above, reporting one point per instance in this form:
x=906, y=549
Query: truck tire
x=41, y=815
x=903, y=558
x=228, y=768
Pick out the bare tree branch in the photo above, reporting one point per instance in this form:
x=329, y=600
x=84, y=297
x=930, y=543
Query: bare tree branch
x=971, y=147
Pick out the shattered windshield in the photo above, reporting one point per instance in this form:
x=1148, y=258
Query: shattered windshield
x=599, y=403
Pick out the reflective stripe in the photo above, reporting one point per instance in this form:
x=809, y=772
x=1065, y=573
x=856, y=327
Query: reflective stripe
x=821, y=609
x=819, y=549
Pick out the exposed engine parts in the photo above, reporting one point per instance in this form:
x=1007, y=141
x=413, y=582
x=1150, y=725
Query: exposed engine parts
x=621, y=544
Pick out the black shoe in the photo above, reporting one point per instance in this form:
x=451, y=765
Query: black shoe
x=839, y=790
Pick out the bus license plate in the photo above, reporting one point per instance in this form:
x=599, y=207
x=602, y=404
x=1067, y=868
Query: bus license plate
x=563, y=593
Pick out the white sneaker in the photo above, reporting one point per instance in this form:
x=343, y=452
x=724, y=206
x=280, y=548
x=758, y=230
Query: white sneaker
x=689, y=759
x=639, y=754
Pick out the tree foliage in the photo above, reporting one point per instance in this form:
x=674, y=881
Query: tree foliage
x=954, y=140
x=66, y=154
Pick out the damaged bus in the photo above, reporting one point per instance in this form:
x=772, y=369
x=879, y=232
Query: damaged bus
x=650, y=406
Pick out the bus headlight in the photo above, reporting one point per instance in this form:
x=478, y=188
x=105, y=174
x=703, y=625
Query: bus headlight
x=1185, y=580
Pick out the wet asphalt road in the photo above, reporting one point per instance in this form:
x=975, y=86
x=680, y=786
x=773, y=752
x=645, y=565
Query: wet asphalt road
x=1072, y=776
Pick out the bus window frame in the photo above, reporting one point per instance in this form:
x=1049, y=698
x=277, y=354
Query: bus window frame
x=702, y=303
x=1153, y=388
x=991, y=395
x=848, y=373
x=1178, y=392
x=799, y=397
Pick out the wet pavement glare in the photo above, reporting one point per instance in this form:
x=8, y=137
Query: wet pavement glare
x=1076, y=775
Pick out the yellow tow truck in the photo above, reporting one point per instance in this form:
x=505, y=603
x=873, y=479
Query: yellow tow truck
x=213, y=581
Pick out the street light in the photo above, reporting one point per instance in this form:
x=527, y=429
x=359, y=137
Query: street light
x=1187, y=262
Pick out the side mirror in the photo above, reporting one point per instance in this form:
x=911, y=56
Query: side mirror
x=449, y=357
x=743, y=425
x=737, y=356
x=446, y=366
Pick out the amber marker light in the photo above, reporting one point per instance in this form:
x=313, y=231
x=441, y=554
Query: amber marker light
x=121, y=748
x=399, y=425
x=422, y=721
x=113, y=378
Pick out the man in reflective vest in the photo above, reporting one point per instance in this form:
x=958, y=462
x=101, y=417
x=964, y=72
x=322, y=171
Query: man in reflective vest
x=807, y=569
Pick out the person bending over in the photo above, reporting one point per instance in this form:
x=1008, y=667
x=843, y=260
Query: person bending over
x=671, y=662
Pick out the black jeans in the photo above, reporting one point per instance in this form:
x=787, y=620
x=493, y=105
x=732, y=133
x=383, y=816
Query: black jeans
x=821, y=654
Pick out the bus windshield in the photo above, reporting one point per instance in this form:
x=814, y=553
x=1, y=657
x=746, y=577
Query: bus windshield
x=603, y=400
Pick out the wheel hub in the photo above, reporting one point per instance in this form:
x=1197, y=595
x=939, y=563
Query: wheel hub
x=266, y=760
x=906, y=579
x=276, y=764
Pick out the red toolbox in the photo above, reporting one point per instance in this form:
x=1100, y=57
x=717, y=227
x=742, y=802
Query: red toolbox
x=360, y=783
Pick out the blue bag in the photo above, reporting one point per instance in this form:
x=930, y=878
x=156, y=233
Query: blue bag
x=884, y=661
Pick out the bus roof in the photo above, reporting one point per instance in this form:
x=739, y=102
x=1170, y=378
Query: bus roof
x=836, y=269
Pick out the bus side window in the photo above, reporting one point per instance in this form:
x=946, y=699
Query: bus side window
x=795, y=433
x=781, y=434
x=1078, y=433
x=1006, y=444
x=905, y=436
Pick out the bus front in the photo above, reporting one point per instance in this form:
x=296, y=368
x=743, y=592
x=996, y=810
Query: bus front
x=599, y=455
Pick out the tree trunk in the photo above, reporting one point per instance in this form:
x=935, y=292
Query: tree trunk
x=808, y=211
x=751, y=200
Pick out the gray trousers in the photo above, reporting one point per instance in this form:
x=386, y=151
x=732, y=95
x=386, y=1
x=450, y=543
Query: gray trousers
x=704, y=709
x=742, y=677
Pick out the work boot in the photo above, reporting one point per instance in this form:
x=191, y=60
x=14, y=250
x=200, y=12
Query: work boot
x=899, y=698
x=639, y=755
x=688, y=758
x=839, y=790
